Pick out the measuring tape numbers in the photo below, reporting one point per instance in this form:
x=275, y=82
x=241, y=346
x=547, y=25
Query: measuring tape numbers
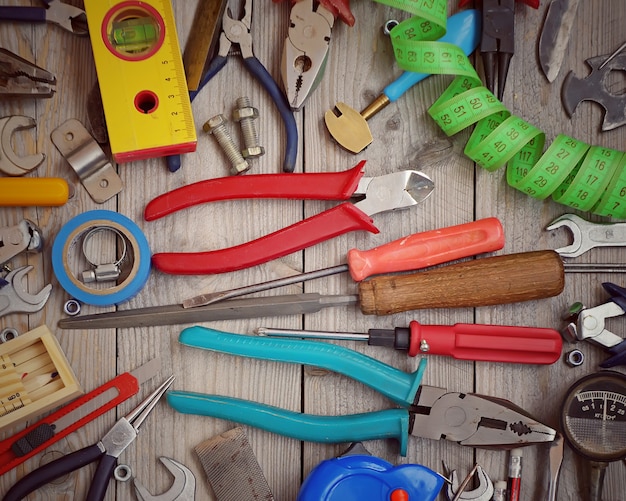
x=573, y=173
x=142, y=78
x=134, y=264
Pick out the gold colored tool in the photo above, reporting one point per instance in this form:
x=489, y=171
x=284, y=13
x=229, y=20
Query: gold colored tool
x=350, y=128
x=202, y=39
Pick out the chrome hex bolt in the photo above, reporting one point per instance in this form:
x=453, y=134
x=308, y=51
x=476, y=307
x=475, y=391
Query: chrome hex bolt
x=246, y=115
x=217, y=126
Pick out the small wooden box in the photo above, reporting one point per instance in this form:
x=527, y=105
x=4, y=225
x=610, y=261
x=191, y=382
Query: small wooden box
x=35, y=376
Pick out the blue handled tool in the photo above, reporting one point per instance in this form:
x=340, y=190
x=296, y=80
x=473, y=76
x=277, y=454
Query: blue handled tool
x=486, y=422
x=66, y=16
x=349, y=127
x=356, y=475
x=237, y=32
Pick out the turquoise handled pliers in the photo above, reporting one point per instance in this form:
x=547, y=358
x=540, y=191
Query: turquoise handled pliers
x=426, y=411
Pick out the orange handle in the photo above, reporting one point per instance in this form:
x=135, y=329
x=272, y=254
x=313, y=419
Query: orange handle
x=33, y=191
x=428, y=248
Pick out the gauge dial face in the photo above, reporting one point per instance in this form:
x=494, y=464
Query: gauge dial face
x=594, y=416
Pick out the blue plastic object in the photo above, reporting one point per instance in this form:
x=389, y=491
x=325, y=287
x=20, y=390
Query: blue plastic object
x=463, y=30
x=101, y=297
x=368, y=478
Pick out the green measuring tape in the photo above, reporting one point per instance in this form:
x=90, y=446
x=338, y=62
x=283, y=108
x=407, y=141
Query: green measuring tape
x=573, y=173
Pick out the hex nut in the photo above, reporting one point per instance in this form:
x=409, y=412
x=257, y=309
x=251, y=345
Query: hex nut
x=253, y=152
x=239, y=168
x=574, y=358
x=247, y=112
x=213, y=123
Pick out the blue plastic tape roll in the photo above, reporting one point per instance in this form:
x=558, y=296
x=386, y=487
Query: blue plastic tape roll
x=69, y=235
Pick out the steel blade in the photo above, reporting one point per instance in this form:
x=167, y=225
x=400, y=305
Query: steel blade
x=555, y=35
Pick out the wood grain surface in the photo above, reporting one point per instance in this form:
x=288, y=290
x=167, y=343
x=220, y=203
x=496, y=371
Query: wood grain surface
x=360, y=65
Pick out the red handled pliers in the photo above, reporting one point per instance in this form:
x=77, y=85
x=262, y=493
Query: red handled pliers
x=383, y=193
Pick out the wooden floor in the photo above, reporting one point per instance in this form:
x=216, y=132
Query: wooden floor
x=360, y=65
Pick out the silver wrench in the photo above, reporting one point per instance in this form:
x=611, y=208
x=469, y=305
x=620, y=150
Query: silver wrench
x=588, y=235
x=484, y=491
x=183, y=488
x=14, y=298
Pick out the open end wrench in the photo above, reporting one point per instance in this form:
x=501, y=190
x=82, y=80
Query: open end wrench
x=587, y=235
x=183, y=488
x=484, y=491
x=14, y=298
x=10, y=162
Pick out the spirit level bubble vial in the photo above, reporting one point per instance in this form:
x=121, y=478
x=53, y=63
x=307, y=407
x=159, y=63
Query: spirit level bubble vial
x=142, y=79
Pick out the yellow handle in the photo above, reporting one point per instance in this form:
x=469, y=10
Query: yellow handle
x=33, y=191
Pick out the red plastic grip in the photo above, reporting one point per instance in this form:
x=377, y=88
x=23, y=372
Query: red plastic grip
x=490, y=343
x=428, y=248
x=328, y=224
x=308, y=186
x=126, y=385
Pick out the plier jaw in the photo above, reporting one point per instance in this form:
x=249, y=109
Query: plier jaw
x=588, y=324
x=237, y=31
x=21, y=78
x=475, y=420
x=306, y=50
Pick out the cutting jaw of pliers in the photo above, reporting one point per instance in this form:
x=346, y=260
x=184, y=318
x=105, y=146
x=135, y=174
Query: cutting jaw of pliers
x=426, y=411
x=393, y=191
x=25, y=236
x=66, y=16
x=589, y=324
x=497, y=44
x=237, y=32
x=306, y=50
x=21, y=78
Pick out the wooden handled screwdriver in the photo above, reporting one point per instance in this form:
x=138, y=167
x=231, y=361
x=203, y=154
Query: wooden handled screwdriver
x=482, y=282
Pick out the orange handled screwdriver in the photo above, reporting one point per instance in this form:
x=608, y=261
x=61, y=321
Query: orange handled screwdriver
x=416, y=251
x=488, y=343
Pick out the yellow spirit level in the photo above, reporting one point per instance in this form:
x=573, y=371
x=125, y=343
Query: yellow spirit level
x=142, y=79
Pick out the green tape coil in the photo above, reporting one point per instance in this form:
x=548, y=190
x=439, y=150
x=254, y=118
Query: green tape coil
x=573, y=173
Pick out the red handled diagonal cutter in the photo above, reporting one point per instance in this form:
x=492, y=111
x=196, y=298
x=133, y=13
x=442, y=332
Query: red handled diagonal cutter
x=383, y=193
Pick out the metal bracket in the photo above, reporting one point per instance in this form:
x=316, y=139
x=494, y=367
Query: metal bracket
x=86, y=157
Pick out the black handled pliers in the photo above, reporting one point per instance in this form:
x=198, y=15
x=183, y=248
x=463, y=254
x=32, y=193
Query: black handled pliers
x=67, y=16
x=107, y=450
x=237, y=31
x=497, y=44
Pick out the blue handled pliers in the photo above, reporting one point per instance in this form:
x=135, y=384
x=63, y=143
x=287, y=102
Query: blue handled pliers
x=426, y=411
x=67, y=16
x=107, y=450
x=237, y=31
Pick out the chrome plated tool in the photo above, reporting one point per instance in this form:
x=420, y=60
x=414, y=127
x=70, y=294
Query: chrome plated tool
x=458, y=491
x=11, y=163
x=21, y=78
x=14, y=298
x=105, y=452
x=182, y=489
x=429, y=412
x=587, y=235
x=588, y=324
x=555, y=35
x=25, y=236
x=66, y=16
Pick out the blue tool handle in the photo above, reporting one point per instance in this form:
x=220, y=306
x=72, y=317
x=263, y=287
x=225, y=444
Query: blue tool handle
x=395, y=384
x=618, y=357
x=392, y=423
x=463, y=30
x=101, y=479
x=51, y=471
x=269, y=84
x=27, y=14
